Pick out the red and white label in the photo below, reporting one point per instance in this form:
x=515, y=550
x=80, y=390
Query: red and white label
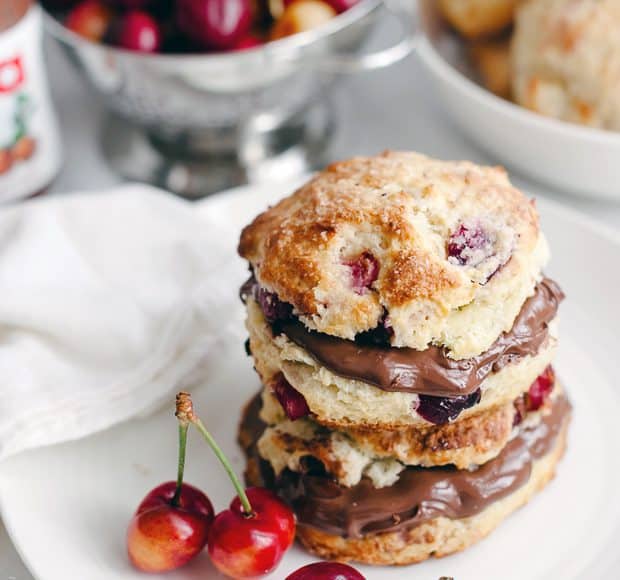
x=30, y=151
x=11, y=74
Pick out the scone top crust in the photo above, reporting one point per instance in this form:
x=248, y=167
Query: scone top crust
x=566, y=60
x=440, y=252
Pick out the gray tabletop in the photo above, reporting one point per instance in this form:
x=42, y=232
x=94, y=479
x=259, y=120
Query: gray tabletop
x=392, y=109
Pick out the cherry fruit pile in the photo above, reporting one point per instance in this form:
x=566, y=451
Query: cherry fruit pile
x=175, y=521
x=181, y=26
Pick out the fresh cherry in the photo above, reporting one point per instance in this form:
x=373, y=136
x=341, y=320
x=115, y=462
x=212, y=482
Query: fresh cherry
x=139, y=31
x=364, y=271
x=89, y=19
x=247, y=42
x=301, y=16
x=440, y=410
x=540, y=389
x=248, y=539
x=246, y=546
x=326, y=571
x=130, y=4
x=215, y=24
x=342, y=5
x=172, y=523
x=164, y=535
x=59, y=4
x=469, y=244
x=291, y=400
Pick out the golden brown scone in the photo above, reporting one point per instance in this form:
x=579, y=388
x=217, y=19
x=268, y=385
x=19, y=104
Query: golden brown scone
x=491, y=58
x=566, y=60
x=435, y=538
x=446, y=253
x=478, y=18
x=350, y=454
x=340, y=403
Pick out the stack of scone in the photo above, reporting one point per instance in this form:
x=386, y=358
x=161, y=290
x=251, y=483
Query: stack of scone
x=403, y=330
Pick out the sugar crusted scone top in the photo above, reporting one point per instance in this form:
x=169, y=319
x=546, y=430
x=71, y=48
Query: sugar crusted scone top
x=442, y=253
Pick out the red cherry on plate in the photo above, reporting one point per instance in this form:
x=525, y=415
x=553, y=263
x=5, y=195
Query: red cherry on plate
x=248, y=539
x=216, y=24
x=326, y=571
x=171, y=525
x=163, y=536
x=191, y=499
x=139, y=31
x=341, y=5
x=247, y=546
x=89, y=19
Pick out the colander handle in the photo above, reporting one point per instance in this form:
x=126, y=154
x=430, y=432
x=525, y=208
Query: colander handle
x=402, y=10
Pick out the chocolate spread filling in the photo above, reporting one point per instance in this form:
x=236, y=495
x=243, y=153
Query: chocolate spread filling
x=431, y=371
x=419, y=495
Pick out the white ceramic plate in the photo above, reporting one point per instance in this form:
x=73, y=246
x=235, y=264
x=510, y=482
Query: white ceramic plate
x=574, y=158
x=66, y=507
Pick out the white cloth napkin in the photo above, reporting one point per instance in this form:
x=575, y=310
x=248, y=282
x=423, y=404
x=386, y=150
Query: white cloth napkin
x=108, y=303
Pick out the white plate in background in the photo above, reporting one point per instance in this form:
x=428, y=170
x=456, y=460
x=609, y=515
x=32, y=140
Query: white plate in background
x=66, y=507
x=574, y=158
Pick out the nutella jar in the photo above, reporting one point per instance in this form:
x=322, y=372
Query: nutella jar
x=30, y=154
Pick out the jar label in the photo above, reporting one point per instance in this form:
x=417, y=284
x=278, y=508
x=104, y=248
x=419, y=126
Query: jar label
x=29, y=143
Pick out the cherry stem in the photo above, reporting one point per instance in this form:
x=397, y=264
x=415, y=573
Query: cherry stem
x=185, y=413
x=183, y=427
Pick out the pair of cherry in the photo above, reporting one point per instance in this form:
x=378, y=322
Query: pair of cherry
x=175, y=521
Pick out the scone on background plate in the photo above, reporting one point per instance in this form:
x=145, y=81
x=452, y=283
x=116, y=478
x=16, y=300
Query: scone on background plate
x=403, y=330
x=566, y=60
x=478, y=18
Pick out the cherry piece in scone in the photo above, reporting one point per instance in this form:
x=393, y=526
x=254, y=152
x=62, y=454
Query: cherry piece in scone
x=273, y=308
x=247, y=546
x=214, y=24
x=248, y=539
x=290, y=399
x=326, y=571
x=139, y=31
x=171, y=524
x=469, y=245
x=90, y=19
x=540, y=389
x=364, y=271
x=440, y=410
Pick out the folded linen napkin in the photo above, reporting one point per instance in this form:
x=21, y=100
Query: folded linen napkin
x=110, y=302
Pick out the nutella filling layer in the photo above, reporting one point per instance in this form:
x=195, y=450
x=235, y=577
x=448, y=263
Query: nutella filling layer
x=419, y=495
x=431, y=372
